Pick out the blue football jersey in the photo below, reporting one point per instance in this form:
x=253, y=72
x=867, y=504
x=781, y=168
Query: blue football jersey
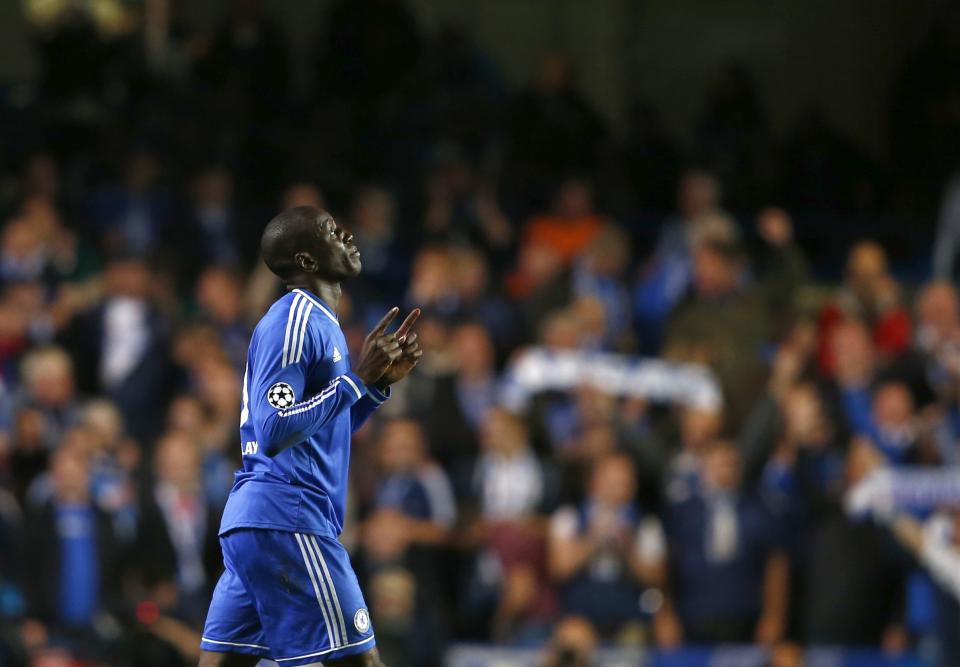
x=301, y=404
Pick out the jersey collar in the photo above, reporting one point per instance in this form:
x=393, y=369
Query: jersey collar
x=318, y=302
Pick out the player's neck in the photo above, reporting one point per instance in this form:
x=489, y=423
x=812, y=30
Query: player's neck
x=329, y=292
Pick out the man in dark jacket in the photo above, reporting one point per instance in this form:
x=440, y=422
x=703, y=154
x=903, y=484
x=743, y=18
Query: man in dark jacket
x=71, y=560
x=177, y=533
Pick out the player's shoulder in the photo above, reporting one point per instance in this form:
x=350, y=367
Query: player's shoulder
x=292, y=323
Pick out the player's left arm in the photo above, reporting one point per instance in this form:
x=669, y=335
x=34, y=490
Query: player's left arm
x=399, y=369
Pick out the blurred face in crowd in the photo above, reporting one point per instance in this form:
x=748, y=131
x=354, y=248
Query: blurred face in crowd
x=893, y=406
x=432, y=277
x=219, y=385
x=597, y=440
x=595, y=406
x=698, y=428
x=473, y=277
x=609, y=254
x=103, y=418
x=561, y=331
x=20, y=241
x=129, y=278
x=70, y=475
x=473, y=350
x=715, y=272
x=938, y=314
x=48, y=375
x=195, y=345
x=591, y=315
x=614, y=481
x=574, y=643
x=721, y=467
x=698, y=194
x=372, y=214
x=539, y=263
x=43, y=218
x=866, y=267
x=574, y=200
x=14, y=321
x=177, y=462
x=186, y=414
x=28, y=430
x=853, y=349
x=220, y=295
x=804, y=419
x=402, y=446
x=503, y=433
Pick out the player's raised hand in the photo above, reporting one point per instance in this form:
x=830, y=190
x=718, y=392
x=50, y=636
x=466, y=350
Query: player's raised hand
x=379, y=350
x=410, y=352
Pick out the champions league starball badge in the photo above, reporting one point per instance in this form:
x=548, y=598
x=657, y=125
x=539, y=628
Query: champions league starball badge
x=281, y=396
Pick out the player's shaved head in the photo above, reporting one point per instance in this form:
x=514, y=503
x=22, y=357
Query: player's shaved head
x=295, y=230
x=304, y=244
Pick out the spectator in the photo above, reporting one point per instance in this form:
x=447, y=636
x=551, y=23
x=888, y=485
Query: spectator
x=936, y=544
x=219, y=295
x=605, y=551
x=854, y=577
x=385, y=258
x=133, y=216
x=723, y=324
x=938, y=336
x=599, y=274
x=872, y=295
x=414, y=505
x=682, y=474
x=511, y=488
x=214, y=221
x=49, y=390
x=114, y=465
x=71, y=557
x=481, y=302
x=121, y=347
x=569, y=227
x=460, y=401
x=574, y=644
x=728, y=572
x=669, y=271
x=177, y=531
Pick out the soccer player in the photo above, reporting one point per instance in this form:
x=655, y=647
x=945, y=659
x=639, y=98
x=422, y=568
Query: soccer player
x=288, y=592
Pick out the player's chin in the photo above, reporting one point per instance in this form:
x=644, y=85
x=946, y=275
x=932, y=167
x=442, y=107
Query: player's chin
x=354, y=265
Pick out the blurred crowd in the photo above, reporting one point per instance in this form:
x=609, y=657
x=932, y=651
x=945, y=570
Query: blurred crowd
x=642, y=418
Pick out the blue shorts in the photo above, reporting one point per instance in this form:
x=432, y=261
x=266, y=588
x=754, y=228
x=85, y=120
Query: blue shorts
x=290, y=597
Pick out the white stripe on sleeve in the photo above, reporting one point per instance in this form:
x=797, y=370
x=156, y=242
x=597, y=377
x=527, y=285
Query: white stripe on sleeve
x=286, y=335
x=303, y=329
x=295, y=332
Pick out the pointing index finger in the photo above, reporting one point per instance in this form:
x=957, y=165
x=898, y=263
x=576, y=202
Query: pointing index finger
x=385, y=321
x=407, y=323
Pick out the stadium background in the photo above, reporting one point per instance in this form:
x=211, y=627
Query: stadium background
x=762, y=195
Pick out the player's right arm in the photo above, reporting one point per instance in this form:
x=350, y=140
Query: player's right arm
x=282, y=423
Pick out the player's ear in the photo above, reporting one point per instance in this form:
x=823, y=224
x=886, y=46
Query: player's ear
x=306, y=262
